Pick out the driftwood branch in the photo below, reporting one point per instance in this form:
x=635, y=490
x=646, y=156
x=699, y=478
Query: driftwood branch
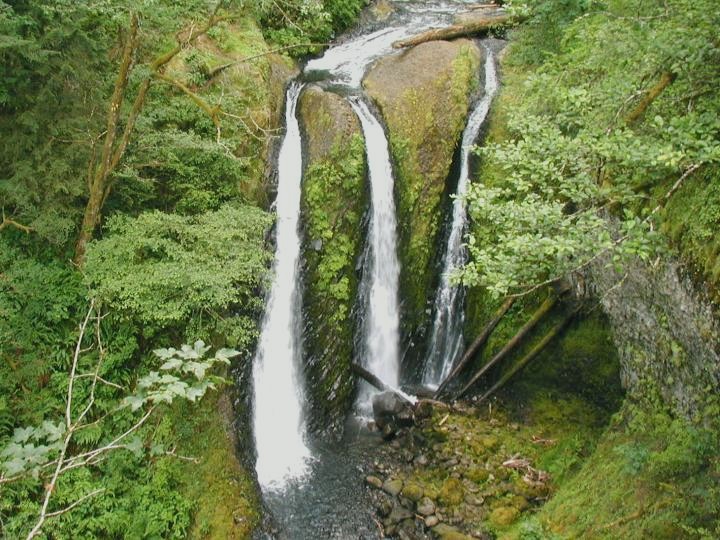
x=477, y=26
x=525, y=360
x=544, y=308
x=476, y=345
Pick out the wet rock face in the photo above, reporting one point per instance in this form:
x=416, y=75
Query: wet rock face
x=423, y=95
x=334, y=199
x=666, y=335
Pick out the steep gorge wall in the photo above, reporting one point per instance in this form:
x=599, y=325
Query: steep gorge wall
x=334, y=200
x=424, y=96
x=666, y=334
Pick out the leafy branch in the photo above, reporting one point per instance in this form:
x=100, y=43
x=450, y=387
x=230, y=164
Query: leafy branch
x=49, y=450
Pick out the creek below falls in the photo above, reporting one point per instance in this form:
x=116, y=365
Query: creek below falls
x=312, y=486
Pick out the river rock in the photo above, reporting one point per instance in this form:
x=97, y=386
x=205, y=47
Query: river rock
x=391, y=409
x=447, y=532
x=424, y=96
x=426, y=507
x=393, y=486
x=412, y=491
x=431, y=521
x=398, y=514
x=334, y=199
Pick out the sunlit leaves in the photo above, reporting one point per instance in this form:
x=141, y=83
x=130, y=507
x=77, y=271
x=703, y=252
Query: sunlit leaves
x=31, y=447
x=189, y=381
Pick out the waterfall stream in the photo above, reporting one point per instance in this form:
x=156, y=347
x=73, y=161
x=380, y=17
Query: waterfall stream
x=309, y=485
x=279, y=426
x=382, y=270
x=446, y=338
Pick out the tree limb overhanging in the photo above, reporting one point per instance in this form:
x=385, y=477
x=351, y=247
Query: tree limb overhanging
x=8, y=222
x=477, y=26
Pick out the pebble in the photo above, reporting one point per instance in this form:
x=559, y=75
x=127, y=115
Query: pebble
x=431, y=521
x=374, y=481
x=393, y=486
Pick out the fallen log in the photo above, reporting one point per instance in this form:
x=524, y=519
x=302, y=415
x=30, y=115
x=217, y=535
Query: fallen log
x=375, y=381
x=476, y=345
x=544, y=308
x=525, y=360
x=477, y=26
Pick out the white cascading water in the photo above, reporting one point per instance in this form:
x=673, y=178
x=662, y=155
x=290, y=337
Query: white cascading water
x=446, y=341
x=382, y=318
x=278, y=421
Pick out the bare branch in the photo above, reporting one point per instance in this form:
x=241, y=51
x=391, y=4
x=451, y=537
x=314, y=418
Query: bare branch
x=76, y=503
x=7, y=222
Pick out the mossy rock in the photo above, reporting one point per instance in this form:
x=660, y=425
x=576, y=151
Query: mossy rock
x=412, y=491
x=423, y=95
x=477, y=474
x=504, y=516
x=446, y=532
x=452, y=492
x=334, y=199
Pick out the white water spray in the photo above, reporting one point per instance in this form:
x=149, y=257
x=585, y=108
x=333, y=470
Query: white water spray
x=382, y=319
x=446, y=341
x=278, y=417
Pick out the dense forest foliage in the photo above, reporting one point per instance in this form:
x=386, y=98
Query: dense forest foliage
x=615, y=110
x=158, y=114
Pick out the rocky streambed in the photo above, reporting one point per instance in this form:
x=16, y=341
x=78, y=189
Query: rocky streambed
x=471, y=471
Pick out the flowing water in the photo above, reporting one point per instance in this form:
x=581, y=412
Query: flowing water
x=382, y=269
x=279, y=426
x=312, y=488
x=446, y=338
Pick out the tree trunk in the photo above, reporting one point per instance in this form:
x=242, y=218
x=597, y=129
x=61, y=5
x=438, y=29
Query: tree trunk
x=546, y=306
x=537, y=349
x=477, y=26
x=99, y=178
x=476, y=345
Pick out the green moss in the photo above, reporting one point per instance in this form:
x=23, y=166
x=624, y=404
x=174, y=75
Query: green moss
x=651, y=477
x=691, y=220
x=224, y=495
x=334, y=200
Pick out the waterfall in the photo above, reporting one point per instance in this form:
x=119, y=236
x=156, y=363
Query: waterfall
x=382, y=269
x=278, y=422
x=446, y=339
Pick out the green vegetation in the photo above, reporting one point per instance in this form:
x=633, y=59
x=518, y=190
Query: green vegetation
x=334, y=201
x=617, y=113
x=604, y=135
x=183, y=97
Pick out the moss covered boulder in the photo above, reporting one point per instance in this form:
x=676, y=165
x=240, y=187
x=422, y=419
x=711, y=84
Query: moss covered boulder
x=334, y=199
x=423, y=95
